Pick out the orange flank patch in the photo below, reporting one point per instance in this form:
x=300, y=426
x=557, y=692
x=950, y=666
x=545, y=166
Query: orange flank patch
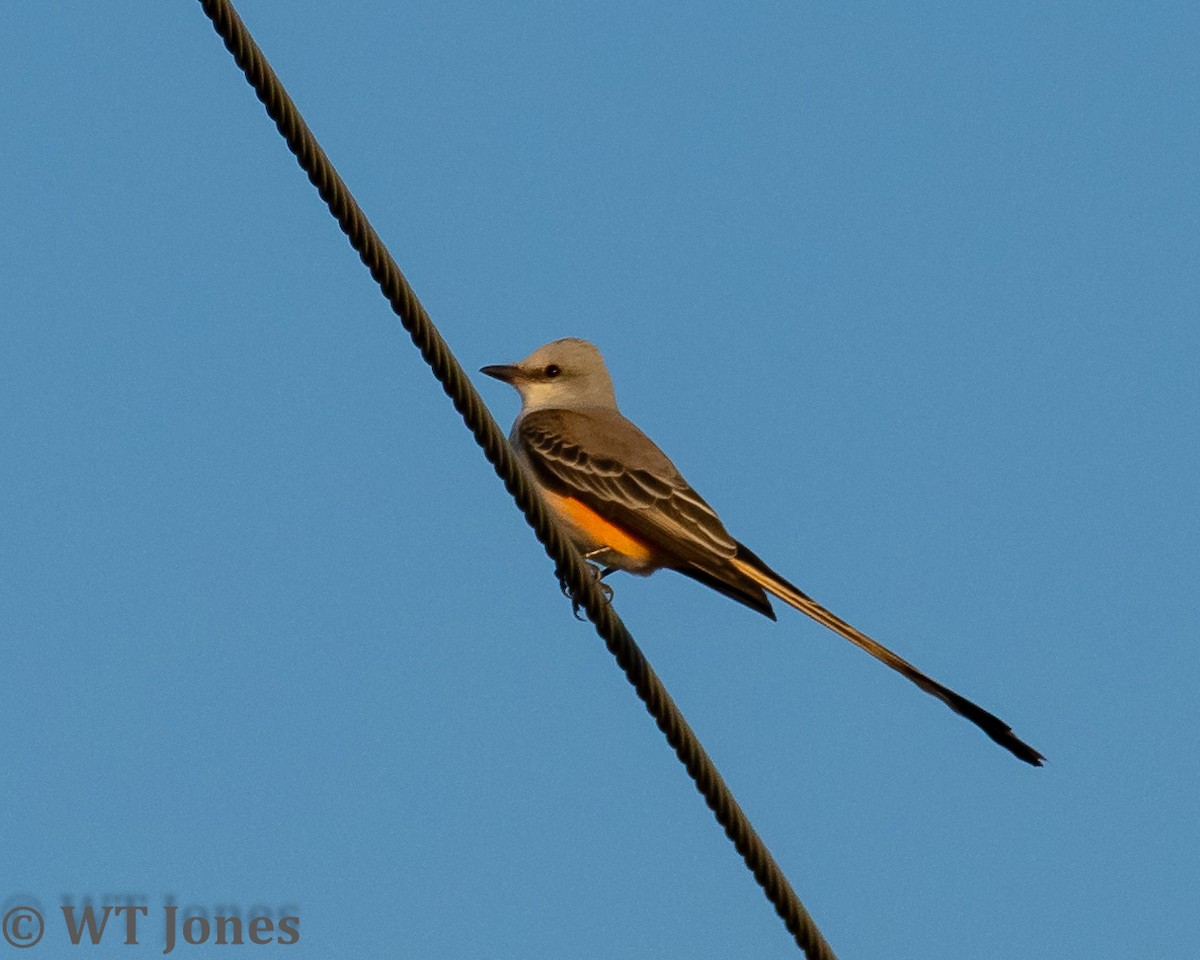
x=596, y=529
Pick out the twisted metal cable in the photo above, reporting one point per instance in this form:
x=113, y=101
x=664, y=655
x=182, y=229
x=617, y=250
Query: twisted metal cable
x=570, y=567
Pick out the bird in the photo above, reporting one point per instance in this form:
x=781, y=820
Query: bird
x=626, y=507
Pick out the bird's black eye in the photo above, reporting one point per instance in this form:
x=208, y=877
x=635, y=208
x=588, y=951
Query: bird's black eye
x=553, y=370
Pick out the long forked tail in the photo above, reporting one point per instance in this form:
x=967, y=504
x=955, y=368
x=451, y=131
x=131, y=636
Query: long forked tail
x=749, y=565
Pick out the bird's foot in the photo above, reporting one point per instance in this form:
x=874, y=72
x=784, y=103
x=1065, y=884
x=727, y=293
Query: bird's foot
x=598, y=575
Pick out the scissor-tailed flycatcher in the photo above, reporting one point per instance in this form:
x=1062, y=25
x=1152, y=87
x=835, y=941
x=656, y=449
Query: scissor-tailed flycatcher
x=626, y=506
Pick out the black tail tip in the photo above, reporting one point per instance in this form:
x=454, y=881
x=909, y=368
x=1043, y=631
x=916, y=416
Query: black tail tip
x=1021, y=750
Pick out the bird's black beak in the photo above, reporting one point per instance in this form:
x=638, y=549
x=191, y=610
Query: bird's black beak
x=503, y=371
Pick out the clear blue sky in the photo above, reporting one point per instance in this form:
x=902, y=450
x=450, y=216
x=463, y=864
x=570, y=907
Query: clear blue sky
x=910, y=295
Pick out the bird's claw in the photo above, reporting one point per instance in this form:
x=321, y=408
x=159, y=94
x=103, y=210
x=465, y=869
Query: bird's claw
x=605, y=590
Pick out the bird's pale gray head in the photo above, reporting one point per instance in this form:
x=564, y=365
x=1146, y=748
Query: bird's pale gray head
x=568, y=374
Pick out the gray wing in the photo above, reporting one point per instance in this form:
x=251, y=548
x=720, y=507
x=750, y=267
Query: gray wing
x=605, y=462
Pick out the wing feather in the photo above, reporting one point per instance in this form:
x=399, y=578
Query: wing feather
x=605, y=461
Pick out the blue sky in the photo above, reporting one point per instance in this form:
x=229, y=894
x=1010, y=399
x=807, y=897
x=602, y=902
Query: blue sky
x=910, y=295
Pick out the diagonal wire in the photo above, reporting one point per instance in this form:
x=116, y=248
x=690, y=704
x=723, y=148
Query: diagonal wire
x=570, y=567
